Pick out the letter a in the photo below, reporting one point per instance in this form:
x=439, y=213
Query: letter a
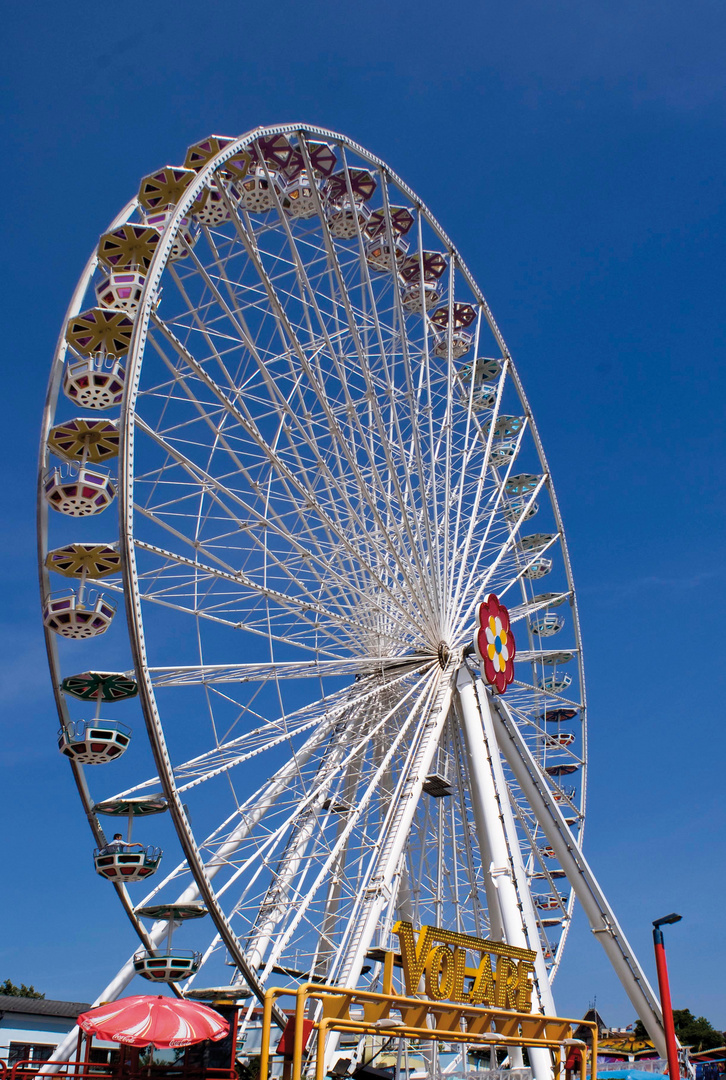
x=482, y=992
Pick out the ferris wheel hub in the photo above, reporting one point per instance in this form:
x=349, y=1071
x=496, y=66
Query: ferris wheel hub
x=444, y=653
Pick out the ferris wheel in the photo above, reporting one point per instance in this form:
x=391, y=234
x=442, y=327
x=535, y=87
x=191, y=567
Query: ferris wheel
x=307, y=461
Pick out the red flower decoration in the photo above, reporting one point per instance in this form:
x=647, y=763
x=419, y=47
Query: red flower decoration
x=494, y=643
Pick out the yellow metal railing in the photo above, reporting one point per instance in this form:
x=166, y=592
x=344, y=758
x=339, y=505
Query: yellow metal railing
x=394, y=1016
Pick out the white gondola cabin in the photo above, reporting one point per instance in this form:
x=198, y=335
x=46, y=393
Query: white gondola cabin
x=93, y=742
x=167, y=967
x=170, y=964
x=121, y=290
x=124, y=865
x=538, y=568
x=79, y=492
x=186, y=237
x=549, y=625
x=125, y=860
x=95, y=382
x=555, y=684
x=78, y=617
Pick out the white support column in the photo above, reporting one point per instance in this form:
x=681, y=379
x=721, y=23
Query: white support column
x=599, y=913
x=488, y=805
x=529, y=918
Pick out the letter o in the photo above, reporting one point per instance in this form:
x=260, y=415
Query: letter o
x=440, y=973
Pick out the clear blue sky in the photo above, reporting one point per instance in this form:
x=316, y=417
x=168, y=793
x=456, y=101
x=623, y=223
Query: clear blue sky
x=575, y=153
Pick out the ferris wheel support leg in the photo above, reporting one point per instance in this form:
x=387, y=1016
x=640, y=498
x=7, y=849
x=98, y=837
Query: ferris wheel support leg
x=529, y=918
x=490, y=803
x=599, y=913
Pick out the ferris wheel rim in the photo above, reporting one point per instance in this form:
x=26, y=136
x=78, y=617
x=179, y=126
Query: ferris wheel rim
x=126, y=476
x=42, y=509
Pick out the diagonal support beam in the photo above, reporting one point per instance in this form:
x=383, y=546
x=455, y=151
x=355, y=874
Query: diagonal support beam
x=599, y=913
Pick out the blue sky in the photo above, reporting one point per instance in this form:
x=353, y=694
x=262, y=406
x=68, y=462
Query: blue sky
x=575, y=154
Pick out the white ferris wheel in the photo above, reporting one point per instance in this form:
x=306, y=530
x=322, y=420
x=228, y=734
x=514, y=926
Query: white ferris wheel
x=306, y=458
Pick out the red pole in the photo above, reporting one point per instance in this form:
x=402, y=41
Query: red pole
x=665, y=1001
x=235, y=1027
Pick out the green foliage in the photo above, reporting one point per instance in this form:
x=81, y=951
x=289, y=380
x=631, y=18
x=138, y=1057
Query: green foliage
x=250, y=1069
x=12, y=990
x=694, y=1031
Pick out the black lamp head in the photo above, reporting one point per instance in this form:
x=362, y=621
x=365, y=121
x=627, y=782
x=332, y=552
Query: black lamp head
x=667, y=919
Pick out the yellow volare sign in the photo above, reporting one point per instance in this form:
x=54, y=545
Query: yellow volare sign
x=498, y=975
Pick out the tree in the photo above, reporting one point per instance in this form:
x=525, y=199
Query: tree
x=249, y=1070
x=12, y=990
x=694, y=1031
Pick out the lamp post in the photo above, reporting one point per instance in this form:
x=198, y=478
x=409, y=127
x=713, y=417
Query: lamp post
x=665, y=993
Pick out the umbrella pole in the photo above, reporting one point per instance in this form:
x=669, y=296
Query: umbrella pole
x=87, y=1055
x=134, y=1066
x=233, y=1053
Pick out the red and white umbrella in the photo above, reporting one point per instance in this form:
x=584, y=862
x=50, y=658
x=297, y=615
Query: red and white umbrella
x=164, y=1021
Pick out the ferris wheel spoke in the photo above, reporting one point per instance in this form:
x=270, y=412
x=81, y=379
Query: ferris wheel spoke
x=350, y=553
x=263, y=519
x=532, y=656
x=299, y=815
x=459, y=488
x=382, y=865
x=281, y=401
x=416, y=455
x=496, y=497
x=305, y=607
x=416, y=710
x=277, y=399
x=531, y=607
x=260, y=588
x=526, y=563
x=316, y=795
x=371, y=396
x=215, y=489
x=445, y=429
x=549, y=694
x=193, y=675
x=463, y=557
x=231, y=753
x=263, y=801
x=186, y=539
x=405, y=495
x=505, y=549
x=262, y=628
